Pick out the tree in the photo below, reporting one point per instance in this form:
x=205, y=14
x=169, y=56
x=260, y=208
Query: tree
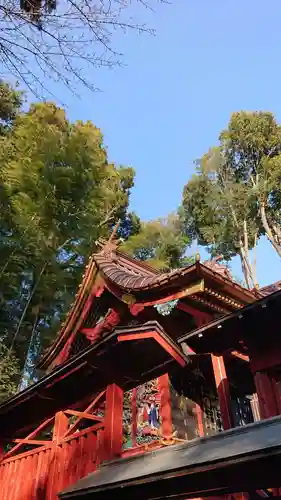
x=251, y=147
x=219, y=213
x=62, y=196
x=10, y=104
x=160, y=242
x=235, y=196
x=63, y=41
x=9, y=371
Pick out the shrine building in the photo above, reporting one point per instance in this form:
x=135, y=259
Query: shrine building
x=156, y=386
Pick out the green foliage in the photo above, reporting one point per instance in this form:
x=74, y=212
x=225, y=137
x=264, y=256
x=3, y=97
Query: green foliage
x=160, y=242
x=235, y=195
x=251, y=147
x=216, y=206
x=60, y=195
x=10, y=103
x=9, y=371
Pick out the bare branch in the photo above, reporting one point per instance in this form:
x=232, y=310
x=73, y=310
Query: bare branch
x=41, y=41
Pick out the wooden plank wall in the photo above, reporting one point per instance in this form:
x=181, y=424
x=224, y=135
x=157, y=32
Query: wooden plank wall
x=40, y=473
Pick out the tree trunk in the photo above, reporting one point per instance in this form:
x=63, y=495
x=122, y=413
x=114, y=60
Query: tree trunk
x=255, y=264
x=268, y=229
x=28, y=362
x=277, y=231
x=244, y=269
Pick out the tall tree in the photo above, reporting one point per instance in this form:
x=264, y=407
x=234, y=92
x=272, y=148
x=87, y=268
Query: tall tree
x=9, y=371
x=64, y=41
x=220, y=214
x=251, y=147
x=160, y=242
x=235, y=196
x=62, y=195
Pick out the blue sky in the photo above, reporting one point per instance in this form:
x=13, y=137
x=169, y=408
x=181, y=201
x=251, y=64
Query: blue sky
x=166, y=107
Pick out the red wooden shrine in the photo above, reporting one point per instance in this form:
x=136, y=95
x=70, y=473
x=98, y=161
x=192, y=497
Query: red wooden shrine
x=134, y=369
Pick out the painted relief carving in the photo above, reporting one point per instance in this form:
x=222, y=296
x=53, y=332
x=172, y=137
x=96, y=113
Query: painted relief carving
x=127, y=420
x=147, y=415
x=148, y=412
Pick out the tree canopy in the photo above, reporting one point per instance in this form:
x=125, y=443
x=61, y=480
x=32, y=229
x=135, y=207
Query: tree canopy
x=9, y=372
x=60, y=195
x=161, y=242
x=235, y=195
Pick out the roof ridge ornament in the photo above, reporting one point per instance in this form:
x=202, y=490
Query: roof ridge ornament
x=109, y=247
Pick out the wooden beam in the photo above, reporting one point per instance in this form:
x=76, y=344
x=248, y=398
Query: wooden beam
x=239, y=355
x=190, y=290
x=84, y=415
x=92, y=428
x=200, y=317
x=30, y=436
x=223, y=391
x=199, y=416
x=160, y=340
x=60, y=427
x=165, y=405
x=266, y=395
x=74, y=426
x=113, y=422
x=35, y=442
x=134, y=416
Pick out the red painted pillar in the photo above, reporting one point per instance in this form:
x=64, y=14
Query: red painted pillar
x=165, y=405
x=266, y=395
x=223, y=391
x=199, y=415
x=134, y=417
x=54, y=477
x=60, y=427
x=277, y=391
x=113, y=420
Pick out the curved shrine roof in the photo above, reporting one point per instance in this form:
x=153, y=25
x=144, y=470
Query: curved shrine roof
x=117, y=267
x=130, y=275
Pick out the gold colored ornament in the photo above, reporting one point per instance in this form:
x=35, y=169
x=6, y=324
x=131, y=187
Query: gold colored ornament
x=128, y=299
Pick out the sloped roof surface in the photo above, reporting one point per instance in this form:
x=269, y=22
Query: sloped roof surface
x=127, y=277
x=130, y=275
x=267, y=290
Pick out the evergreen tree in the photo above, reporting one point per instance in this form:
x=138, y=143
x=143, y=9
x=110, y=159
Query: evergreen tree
x=161, y=243
x=61, y=196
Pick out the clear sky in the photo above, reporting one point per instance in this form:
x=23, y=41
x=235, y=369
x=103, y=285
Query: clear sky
x=177, y=91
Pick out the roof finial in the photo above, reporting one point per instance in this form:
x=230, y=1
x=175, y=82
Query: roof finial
x=110, y=245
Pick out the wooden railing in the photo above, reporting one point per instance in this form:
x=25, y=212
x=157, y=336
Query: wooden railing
x=52, y=465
